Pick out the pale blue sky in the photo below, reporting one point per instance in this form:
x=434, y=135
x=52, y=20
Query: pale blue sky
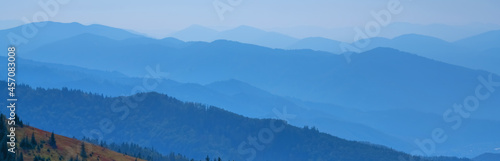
x=169, y=15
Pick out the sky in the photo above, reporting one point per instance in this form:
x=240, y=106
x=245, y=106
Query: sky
x=163, y=16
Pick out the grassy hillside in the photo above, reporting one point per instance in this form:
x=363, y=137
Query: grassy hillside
x=67, y=148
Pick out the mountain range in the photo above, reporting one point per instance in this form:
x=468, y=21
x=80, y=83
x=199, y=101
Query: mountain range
x=475, y=51
x=382, y=77
x=446, y=32
x=380, y=90
x=193, y=129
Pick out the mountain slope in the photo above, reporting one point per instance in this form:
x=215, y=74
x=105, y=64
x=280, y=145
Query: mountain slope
x=231, y=95
x=245, y=34
x=66, y=147
x=384, y=77
x=41, y=33
x=317, y=43
x=425, y=46
x=377, y=80
x=191, y=129
x=481, y=42
x=466, y=52
x=195, y=33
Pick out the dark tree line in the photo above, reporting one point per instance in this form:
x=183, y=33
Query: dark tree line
x=137, y=151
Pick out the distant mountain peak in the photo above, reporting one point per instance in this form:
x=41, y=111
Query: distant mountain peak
x=417, y=37
x=246, y=27
x=198, y=27
x=383, y=50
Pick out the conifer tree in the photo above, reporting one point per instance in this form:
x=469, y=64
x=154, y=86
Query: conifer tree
x=52, y=141
x=33, y=140
x=83, y=153
x=20, y=157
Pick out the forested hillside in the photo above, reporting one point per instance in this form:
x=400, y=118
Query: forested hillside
x=196, y=130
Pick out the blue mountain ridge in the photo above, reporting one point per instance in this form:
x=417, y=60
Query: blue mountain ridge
x=381, y=79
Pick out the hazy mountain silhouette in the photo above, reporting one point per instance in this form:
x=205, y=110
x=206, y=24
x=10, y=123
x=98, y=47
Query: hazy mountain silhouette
x=456, y=53
x=441, y=31
x=394, y=29
x=195, y=33
x=317, y=43
x=481, y=42
x=462, y=52
x=41, y=33
x=377, y=80
x=231, y=95
x=191, y=129
x=245, y=34
x=383, y=77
